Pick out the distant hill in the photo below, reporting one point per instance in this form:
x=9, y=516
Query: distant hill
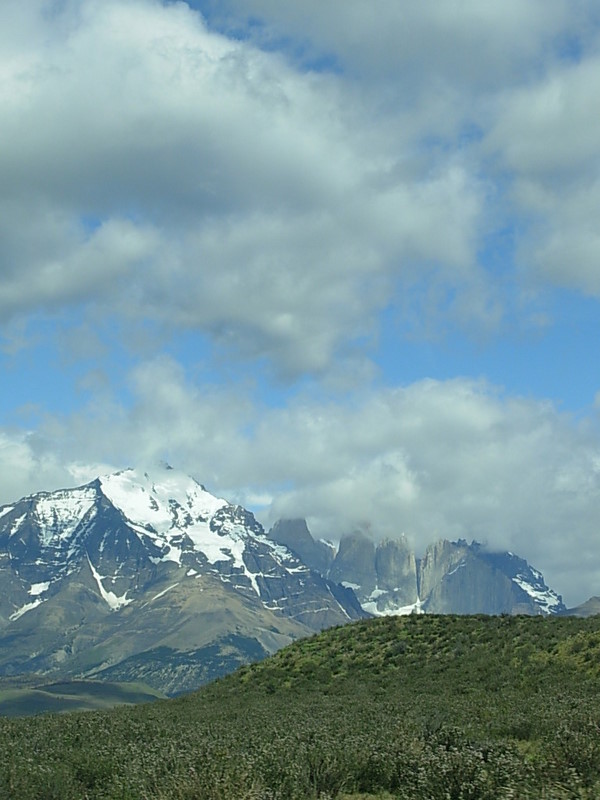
x=73, y=696
x=587, y=609
x=421, y=707
x=460, y=653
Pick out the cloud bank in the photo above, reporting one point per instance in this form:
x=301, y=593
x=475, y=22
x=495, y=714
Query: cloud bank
x=454, y=459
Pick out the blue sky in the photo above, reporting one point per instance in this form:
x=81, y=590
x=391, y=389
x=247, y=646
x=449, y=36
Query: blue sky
x=335, y=263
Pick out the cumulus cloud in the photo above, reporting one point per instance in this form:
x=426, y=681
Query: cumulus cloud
x=163, y=170
x=477, y=44
x=454, y=459
x=547, y=137
x=520, y=78
x=28, y=465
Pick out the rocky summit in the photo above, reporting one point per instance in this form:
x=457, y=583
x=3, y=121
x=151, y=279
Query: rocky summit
x=450, y=578
x=150, y=577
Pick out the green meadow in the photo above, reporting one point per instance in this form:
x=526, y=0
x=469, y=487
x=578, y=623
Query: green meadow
x=418, y=707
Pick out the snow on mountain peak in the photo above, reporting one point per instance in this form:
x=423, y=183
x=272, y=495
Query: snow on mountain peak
x=171, y=500
x=170, y=503
x=60, y=513
x=548, y=601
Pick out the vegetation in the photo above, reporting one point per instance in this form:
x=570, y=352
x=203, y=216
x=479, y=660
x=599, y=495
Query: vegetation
x=412, y=707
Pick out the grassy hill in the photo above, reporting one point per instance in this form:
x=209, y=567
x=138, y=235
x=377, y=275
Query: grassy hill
x=411, y=707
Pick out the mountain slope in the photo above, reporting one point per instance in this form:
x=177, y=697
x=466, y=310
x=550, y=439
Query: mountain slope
x=590, y=608
x=131, y=564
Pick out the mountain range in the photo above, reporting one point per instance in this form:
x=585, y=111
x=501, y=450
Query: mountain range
x=149, y=577
x=450, y=578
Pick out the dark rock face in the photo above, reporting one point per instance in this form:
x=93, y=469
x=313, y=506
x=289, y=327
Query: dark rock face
x=474, y=587
x=129, y=564
x=458, y=578
x=354, y=564
x=396, y=569
x=294, y=534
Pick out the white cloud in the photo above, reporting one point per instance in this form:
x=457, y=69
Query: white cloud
x=160, y=169
x=448, y=37
x=523, y=77
x=546, y=136
x=435, y=459
x=27, y=465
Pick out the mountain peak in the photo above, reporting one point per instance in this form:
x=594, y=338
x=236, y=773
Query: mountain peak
x=148, y=560
x=161, y=501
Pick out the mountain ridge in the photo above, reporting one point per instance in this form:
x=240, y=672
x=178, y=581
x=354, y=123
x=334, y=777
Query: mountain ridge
x=451, y=577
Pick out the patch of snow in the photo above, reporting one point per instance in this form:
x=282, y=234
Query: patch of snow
x=6, y=510
x=252, y=577
x=112, y=600
x=328, y=543
x=17, y=524
x=456, y=568
x=173, y=506
x=295, y=570
x=394, y=611
x=191, y=572
x=281, y=551
x=547, y=600
x=349, y=585
x=39, y=588
x=174, y=554
x=164, y=591
x=27, y=607
x=164, y=504
x=312, y=611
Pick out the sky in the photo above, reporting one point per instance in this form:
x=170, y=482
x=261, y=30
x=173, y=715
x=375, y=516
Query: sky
x=335, y=260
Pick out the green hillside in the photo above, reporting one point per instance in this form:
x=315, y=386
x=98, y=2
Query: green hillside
x=410, y=707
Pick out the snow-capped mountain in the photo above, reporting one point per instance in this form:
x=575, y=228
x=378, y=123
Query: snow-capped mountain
x=137, y=568
x=451, y=578
x=148, y=576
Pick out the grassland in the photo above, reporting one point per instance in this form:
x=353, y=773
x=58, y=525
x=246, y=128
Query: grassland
x=405, y=708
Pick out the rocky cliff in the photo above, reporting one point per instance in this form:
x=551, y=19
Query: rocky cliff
x=450, y=578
